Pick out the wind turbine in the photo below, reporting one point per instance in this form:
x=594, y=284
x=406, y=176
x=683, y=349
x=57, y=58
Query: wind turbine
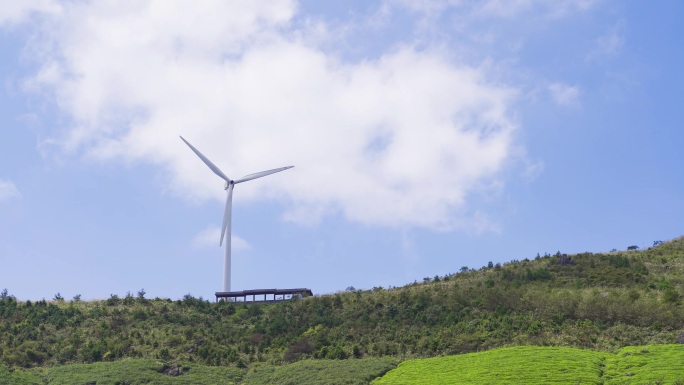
x=230, y=184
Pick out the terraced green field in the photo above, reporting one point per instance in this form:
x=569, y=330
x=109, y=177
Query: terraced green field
x=518, y=365
x=652, y=364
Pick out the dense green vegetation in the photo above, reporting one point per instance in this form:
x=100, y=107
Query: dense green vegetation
x=652, y=364
x=597, y=301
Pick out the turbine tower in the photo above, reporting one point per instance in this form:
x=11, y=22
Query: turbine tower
x=230, y=184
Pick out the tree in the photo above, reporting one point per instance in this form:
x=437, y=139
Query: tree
x=633, y=247
x=113, y=300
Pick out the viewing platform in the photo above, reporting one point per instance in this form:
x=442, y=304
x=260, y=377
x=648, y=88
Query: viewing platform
x=285, y=294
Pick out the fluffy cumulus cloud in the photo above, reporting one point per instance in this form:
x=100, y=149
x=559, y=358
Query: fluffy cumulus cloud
x=8, y=190
x=399, y=140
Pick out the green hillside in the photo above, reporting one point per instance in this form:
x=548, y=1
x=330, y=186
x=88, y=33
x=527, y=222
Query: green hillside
x=651, y=364
x=518, y=365
x=131, y=371
x=602, y=301
x=17, y=377
x=141, y=371
x=317, y=372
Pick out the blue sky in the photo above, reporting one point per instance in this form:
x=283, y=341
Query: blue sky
x=426, y=136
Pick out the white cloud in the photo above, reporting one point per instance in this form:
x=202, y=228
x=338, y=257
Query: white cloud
x=398, y=141
x=210, y=236
x=564, y=95
x=15, y=12
x=8, y=190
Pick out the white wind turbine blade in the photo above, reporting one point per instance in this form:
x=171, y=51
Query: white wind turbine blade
x=260, y=174
x=227, y=212
x=206, y=161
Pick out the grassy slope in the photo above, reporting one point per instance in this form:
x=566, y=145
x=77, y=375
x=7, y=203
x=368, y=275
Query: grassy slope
x=309, y=372
x=17, y=377
x=651, y=364
x=518, y=365
x=139, y=371
x=646, y=364
x=128, y=371
x=144, y=371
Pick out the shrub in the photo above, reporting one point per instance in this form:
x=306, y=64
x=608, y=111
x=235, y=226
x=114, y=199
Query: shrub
x=298, y=349
x=113, y=300
x=336, y=353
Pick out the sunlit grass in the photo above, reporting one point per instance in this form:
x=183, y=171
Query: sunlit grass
x=518, y=365
x=651, y=364
x=647, y=365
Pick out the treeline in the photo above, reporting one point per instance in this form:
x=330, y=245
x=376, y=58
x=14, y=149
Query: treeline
x=599, y=301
